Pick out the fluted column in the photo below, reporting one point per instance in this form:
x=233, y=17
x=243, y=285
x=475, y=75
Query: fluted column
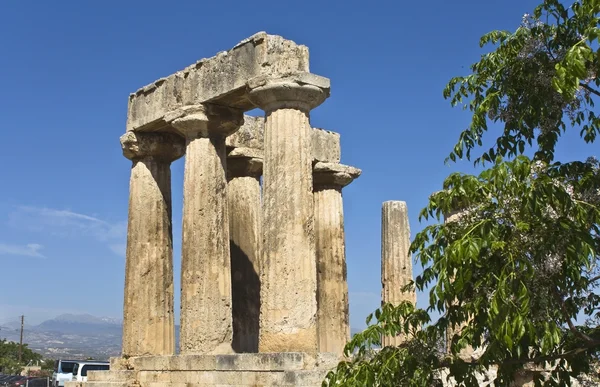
x=148, y=325
x=206, y=322
x=243, y=196
x=333, y=319
x=396, y=263
x=288, y=279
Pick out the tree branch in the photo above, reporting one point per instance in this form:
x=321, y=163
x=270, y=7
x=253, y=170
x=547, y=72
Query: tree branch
x=539, y=359
x=594, y=279
x=572, y=326
x=590, y=89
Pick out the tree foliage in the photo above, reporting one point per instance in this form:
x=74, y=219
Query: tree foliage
x=513, y=269
x=9, y=357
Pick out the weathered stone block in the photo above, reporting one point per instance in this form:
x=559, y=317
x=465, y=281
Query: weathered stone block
x=102, y=376
x=325, y=144
x=221, y=79
x=251, y=369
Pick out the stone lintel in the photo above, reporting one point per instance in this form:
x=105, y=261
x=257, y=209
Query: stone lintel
x=245, y=153
x=334, y=174
x=221, y=79
x=325, y=143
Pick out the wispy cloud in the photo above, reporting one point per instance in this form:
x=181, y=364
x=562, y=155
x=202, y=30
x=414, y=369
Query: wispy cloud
x=30, y=250
x=69, y=224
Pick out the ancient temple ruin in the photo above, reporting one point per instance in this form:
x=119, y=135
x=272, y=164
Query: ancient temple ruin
x=264, y=298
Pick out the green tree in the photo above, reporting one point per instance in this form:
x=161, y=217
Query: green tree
x=9, y=357
x=519, y=266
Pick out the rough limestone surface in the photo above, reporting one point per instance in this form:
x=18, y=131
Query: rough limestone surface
x=221, y=79
x=332, y=286
x=325, y=144
x=148, y=324
x=257, y=369
x=288, y=278
x=244, y=200
x=206, y=320
x=396, y=263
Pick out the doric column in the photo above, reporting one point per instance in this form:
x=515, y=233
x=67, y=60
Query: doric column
x=205, y=262
x=332, y=287
x=244, y=169
x=288, y=279
x=148, y=326
x=396, y=263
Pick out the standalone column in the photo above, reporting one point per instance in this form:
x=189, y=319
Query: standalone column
x=243, y=196
x=332, y=286
x=205, y=262
x=288, y=279
x=148, y=326
x=396, y=263
x=453, y=330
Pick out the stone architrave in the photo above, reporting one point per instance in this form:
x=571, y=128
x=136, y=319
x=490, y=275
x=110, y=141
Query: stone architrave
x=396, y=264
x=148, y=324
x=332, y=287
x=288, y=278
x=244, y=168
x=206, y=322
x=325, y=144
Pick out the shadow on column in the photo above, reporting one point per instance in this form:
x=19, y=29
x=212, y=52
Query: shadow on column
x=246, y=301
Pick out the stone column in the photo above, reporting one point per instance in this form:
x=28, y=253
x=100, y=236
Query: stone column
x=205, y=262
x=148, y=325
x=396, y=262
x=333, y=324
x=243, y=196
x=288, y=279
x=452, y=330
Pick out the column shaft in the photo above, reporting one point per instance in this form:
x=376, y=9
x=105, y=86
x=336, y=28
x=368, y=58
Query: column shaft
x=148, y=325
x=243, y=195
x=332, y=287
x=205, y=266
x=288, y=290
x=396, y=264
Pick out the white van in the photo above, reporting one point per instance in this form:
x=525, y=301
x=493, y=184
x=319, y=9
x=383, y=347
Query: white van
x=82, y=367
x=63, y=372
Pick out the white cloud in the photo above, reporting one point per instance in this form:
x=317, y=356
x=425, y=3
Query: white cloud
x=69, y=224
x=30, y=250
x=119, y=248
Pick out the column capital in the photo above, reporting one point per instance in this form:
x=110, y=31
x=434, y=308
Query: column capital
x=333, y=174
x=161, y=146
x=205, y=120
x=302, y=91
x=244, y=162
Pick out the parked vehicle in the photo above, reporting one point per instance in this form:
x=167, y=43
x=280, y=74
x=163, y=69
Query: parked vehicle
x=21, y=382
x=82, y=367
x=11, y=380
x=63, y=372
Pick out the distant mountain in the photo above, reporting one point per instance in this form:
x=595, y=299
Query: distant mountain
x=86, y=319
x=80, y=324
x=71, y=336
x=76, y=336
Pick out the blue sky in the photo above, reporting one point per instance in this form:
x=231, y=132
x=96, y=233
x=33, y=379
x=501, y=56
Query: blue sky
x=68, y=67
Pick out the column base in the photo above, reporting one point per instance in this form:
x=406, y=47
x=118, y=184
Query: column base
x=243, y=369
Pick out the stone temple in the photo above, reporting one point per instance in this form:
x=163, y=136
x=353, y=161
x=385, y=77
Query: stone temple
x=264, y=297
